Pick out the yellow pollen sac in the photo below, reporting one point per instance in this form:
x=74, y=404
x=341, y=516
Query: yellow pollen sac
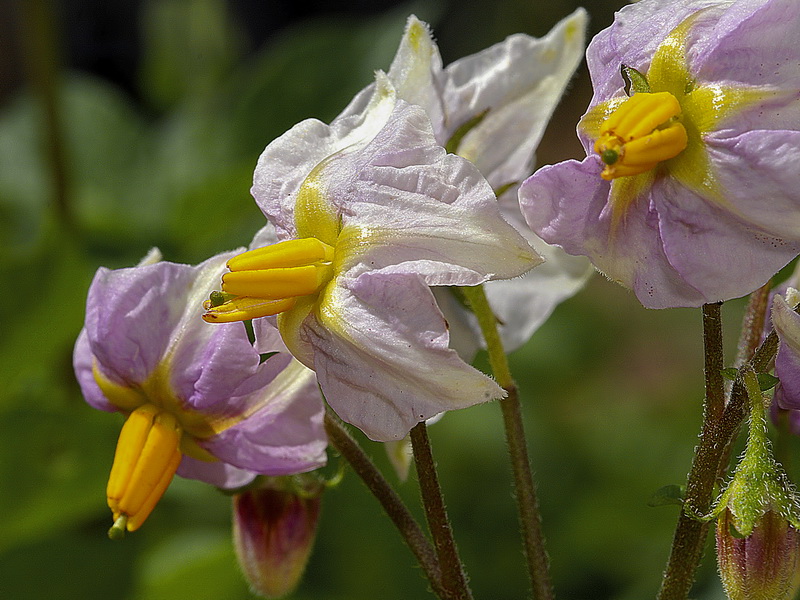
x=267, y=281
x=642, y=132
x=146, y=459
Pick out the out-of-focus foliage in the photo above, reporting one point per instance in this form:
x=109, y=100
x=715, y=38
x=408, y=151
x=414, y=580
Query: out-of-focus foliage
x=611, y=392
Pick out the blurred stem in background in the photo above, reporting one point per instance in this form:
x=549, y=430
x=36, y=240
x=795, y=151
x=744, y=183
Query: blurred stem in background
x=43, y=66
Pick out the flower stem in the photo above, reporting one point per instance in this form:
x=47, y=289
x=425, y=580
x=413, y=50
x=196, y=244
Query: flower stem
x=715, y=438
x=454, y=580
x=690, y=534
x=408, y=527
x=527, y=501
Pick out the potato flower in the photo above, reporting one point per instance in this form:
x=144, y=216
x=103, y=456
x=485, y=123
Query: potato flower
x=371, y=211
x=199, y=400
x=689, y=192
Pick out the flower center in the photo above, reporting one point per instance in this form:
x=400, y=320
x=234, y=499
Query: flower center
x=146, y=459
x=643, y=131
x=267, y=281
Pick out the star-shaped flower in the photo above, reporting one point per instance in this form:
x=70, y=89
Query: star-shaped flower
x=689, y=193
x=371, y=211
x=200, y=400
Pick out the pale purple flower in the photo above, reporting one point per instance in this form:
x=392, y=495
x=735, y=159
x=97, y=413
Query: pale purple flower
x=238, y=415
x=707, y=206
x=382, y=212
x=787, y=362
x=492, y=108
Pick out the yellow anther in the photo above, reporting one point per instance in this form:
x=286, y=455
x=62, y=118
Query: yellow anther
x=274, y=284
x=267, y=281
x=146, y=459
x=291, y=253
x=642, y=132
x=245, y=308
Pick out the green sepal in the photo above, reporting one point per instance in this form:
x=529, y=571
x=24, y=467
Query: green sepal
x=667, y=495
x=455, y=140
x=635, y=81
x=730, y=373
x=251, y=334
x=766, y=381
x=262, y=358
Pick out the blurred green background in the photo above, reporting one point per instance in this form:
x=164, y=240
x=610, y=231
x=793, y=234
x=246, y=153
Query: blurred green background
x=133, y=124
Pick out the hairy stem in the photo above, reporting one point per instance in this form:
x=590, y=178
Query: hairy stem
x=454, y=580
x=690, y=534
x=527, y=501
x=707, y=466
x=408, y=527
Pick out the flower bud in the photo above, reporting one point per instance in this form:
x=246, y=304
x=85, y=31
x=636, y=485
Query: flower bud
x=762, y=565
x=758, y=517
x=273, y=531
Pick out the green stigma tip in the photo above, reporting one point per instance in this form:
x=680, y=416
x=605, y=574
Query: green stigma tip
x=609, y=157
x=217, y=298
x=117, y=531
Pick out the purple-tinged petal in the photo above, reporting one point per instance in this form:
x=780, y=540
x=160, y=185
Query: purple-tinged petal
x=787, y=363
x=131, y=314
x=715, y=253
x=82, y=361
x=216, y=473
x=285, y=435
x=566, y=204
x=382, y=357
x=632, y=39
x=753, y=42
x=758, y=171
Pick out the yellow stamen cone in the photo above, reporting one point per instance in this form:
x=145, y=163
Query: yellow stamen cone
x=132, y=439
x=135, y=521
x=278, y=283
x=642, y=132
x=245, y=308
x=155, y=462
x=291, y=253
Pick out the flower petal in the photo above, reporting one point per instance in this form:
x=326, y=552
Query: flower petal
x=754, y=43
x=382, y=357
x=131, y=315
x=82, y=362
x=519, y=81
x=715, y=253
x=787, y=362
x=566, y=205
x=287, y=161
x=759, y=165
x=406, y=202
x=285, y=435
x=216, y=473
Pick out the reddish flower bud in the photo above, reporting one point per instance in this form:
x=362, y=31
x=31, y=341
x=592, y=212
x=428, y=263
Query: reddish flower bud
x=273, y=531
x=762, y=565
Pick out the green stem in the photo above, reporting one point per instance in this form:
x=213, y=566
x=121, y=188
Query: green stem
x=408, y=527
x=454, y=580
x=690, y=534
x=707, y=466
x=527, y=500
